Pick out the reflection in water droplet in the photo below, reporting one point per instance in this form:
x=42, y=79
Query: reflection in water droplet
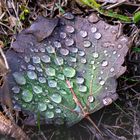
x=69, y=72
x=72, y=59
x=31, y=67
x=50, y=106
x=120, y=46
x=90, y=98
x=63, y=35
x=83, y=60
x=49, y=114
x=81, y=53
x=112, y=70
x=107, y=101
x=114, y=52
x=74, y=50
x=27, y=96
x=31, y=75
x=42, y=80
x=57, y=44
x=61, y=76
x=56, y=98
x=19, y=78
x=16, y=89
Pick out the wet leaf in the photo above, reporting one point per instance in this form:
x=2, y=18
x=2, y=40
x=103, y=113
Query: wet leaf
x=68, y=70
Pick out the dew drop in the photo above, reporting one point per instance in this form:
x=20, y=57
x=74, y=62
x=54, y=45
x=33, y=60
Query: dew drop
x=37, y=89
x=93, y=29
x=73, y=59
x=57, y=44
x=74, y=50
x=102, y=82
x=31, y=75
x=80, y=80
x=120, y=46
x=50, y=106
x=90, y=98
x=36, y=59
x=50, y=49
x=69, y=29
x=27, y=59
x=42, y=107
x=83, y=60
x=57, y=110
x=27, y=96
x=83, y=34
x=61, y=76
x=64, y=51
x=81, y=53
x=42, y=49
x=56, y=98
x=52, y=83
x=49, y=114
x=19, y=78
x=82, y=88
x=114, y=52
x=95, y=55
x=68, y=15
x=50, y=71
x=107, y=101
x=63, y=35
x=97, y=35
x=69, y=72
x=16, y=89
x=104, y=63
x=39, y=69
x=31, y=67
x=86, y=44
x=59, y=61
x=45, y=59
x=42, y=80
x=93, y=67
x=112, y=70
x=69, y=42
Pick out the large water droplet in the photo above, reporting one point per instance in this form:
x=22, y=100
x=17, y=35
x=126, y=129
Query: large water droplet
x=82, y=88
x=83, y=33
x=50, y=49
x=69, y=29
x=52, y=83
x=95, y=55
x=104, y=63
x=37, y=89
x=56, y=98
x=80, y=80
x=69, y=42
x=50, y=71
x=69, y=72
x=59, y=61
x=19, y=78
x=87, y=44
x=27, y=96
x=36, y=59
x=64, y=51
x=49, y=114
x=45, y=59
x=42, y=106
x=31, y=75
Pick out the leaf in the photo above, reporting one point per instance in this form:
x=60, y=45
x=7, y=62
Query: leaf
x=136, y=17
x=70, y=72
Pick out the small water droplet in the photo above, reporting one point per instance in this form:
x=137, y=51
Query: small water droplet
x=81, y=53
x=59, y=61
x=93, y=18
x=42, y=80
x=58, y=110
x=69, y=72
x=31, y=67
x=99, y=78
x=90, y=98
x=104, y=63
x=52, y=83
x=27, y=96
x=74, y=50
x=82, y=88
x=114, y=52
x=72, y=59
x=42, y=49
x=42, y=106
x=50, y=106
x=31, y=75
x=49, y=115
x=93, y=29
x=68, y=15
x=19, y=78
x=83, y=34
x=101, y=72
x=77, y=109
x=105, y=51
x=107, y=101
x=50, y=49
x=102, y=82
x=64, y=51
x=112, y=70
x=27, y=59
x=36, y=59
x=92, y=62
x=86, y=44
x=69, y=42
x=120, y=46
x=119, y=55
x=37, y=89
x=95, y=55
x=80, y=80
x=39, y=69
x=69, y=29
x=63, y=92
x=16, y=89
x=93, y=67
x=45, y=59
x=83, y=60
x=56, y=98
x=50, y=71
x=61, y=76
x=63, y=35
x=97, y=35
x=57, y=44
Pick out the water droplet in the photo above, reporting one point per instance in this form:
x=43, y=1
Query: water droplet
x=69, y=42
x=42, y=49
x=61, y=76
x=93, y=18
x=92, y=62
x=63, y=92
x=17, y=107
x=52, y=83
x=36, y=59
x=104, y=63
x=99, y=78
x=69, y=29
x=57, y=44
x=73, y=59
x=69, y=72
x=112, y=70
x=63, y=35
x=81, y=53
x=42, y=106
x=27, y=59
x=93, y=67
x=87, y=44
x=114, y=52
x=39, y=69
x=101, y=72
x=56, y=98
x=91, y=98
x=49, y=114
x=50, y=71
x=95, y=55
x=27, y=96
x=80, y=80
x=42, y=80
x=119, y=55
x=16, y=89
x=93, y=29
x=77, y=109
x=107, y=101
x=105, y=51
x=102, y=82
x=50, y=106
x=107, y=44
x=83, y=34
x=83, y=60
x=45, y=59
x=64, y=51
x=31, y=67
x=82, y=88
x=58, y=110
x=120, y=46
x=68, y=15
x=31, y=75
x=37, y=89
x=19, y=78
x=59, y=61
x=50, y=49
x=74, y=50
x=97, y=35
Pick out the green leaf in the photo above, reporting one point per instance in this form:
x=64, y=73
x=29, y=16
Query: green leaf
x=136, y=17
